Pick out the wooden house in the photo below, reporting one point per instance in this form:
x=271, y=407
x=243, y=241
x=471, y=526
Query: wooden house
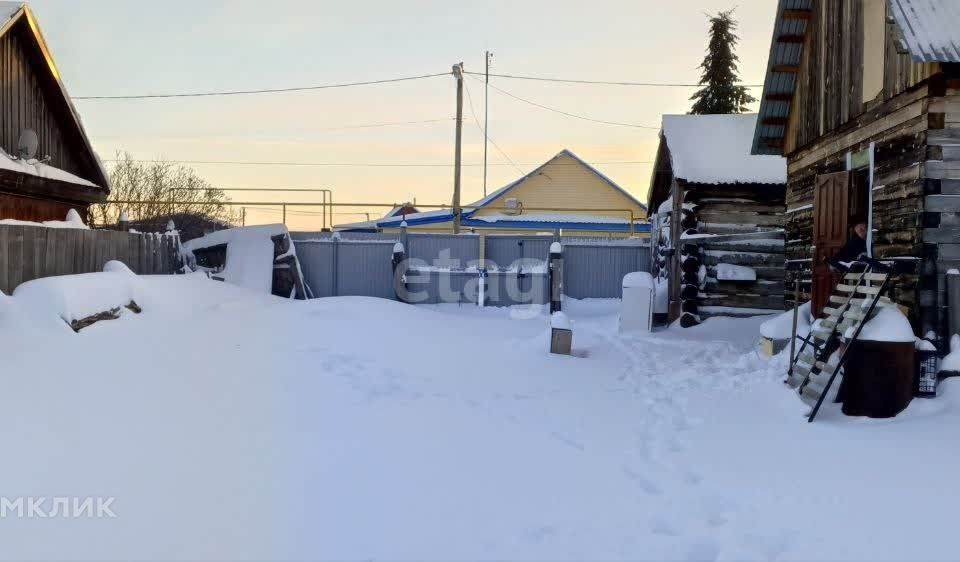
x=564, y=193
x=717, y=235
x=863, y=99
x=47, y=165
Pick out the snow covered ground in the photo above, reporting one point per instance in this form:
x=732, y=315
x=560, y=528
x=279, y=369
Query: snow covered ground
x=231, y=424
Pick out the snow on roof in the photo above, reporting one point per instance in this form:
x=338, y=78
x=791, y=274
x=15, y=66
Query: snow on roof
x=930, y=30
x=36, y=168
x=716, y=149
x=551, y=217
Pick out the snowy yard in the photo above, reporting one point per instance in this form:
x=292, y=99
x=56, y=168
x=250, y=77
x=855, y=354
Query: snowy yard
x=228, y=424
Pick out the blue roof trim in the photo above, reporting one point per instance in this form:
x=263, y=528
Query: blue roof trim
x=540, y=225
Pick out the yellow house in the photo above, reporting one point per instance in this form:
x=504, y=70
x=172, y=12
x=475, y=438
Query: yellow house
x=564, y=193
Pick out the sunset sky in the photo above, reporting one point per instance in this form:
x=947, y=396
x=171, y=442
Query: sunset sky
x=115, y=47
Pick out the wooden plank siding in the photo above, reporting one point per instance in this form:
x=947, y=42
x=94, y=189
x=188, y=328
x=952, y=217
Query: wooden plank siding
x=829, y=87
x=32, y=252
x=26, y=102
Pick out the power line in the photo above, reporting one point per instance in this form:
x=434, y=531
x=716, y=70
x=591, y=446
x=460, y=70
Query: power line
x=567, y=113
x=484, y=133
x=603, y=82
x=360, y=164
x=262, y=91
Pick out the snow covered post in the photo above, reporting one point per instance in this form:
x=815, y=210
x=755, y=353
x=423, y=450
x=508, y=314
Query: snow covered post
x=399, y=262
x=556, y=277
x=123, y=223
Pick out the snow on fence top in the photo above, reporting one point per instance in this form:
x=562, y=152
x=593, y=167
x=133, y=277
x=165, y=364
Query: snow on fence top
x=716, y=149
x=72, y=220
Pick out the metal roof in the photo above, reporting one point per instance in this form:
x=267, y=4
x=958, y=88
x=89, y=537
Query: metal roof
x=782, y=66
x=931, y=28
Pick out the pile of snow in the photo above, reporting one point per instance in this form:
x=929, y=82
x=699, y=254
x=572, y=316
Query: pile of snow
x=75, y=297
x=888, y=324
x=781, y=326
x=559, y=321
x=72, y=220
x=638, y=279
x=37, y=168
x=250, y=258
x=730, y=272
x=951, y=363
x=716, y=149
x=556, y=248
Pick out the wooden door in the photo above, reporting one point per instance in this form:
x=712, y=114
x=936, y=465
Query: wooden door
x=831, y=207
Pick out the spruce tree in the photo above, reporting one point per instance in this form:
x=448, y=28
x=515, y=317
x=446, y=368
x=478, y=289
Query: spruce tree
x=720, y=94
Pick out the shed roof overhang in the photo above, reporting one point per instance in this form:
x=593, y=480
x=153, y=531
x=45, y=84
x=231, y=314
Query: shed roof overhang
x=786, y=53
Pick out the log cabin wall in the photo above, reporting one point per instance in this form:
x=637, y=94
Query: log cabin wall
x=745, y=223
x=940, y=171
x=898, y=127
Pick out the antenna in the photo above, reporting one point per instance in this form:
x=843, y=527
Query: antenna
x=28, y=144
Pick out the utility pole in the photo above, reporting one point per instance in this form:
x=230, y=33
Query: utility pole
x=243, y=216
x=458, y=74
x=486, y=119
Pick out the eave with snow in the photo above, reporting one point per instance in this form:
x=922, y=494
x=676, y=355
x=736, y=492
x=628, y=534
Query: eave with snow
x=717, y=229
x=65, y=173
x=538, y=201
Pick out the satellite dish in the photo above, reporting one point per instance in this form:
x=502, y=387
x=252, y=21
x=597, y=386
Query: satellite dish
x=28, y=144
x=513, y=205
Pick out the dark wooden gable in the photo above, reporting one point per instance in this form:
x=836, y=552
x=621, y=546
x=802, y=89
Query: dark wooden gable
x=31, y=96
x=814, y=82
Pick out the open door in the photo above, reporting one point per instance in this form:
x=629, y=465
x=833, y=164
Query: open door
x=831, y=212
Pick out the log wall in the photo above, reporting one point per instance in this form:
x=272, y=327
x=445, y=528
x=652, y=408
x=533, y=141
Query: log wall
x=745, y=224
x=899, y=129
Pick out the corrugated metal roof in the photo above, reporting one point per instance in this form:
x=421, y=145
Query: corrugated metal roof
x=931, y=28
x=779, y=82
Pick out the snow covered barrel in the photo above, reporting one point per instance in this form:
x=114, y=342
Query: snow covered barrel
x=636, y=308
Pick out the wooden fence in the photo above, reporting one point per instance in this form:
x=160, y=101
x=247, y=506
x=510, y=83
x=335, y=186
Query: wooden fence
x=31, y=252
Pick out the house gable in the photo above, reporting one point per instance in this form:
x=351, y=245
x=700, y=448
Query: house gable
x=33, y=97
x=564, y=182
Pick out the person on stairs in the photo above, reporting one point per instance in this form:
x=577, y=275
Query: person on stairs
x=855, y=247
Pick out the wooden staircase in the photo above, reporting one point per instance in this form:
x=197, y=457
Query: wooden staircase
x=823, y=353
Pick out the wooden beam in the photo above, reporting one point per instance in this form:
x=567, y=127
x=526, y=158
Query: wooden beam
x=797, y=14
x=775, y=120
x=790, y=38
x=780, y=96
x=786, y=68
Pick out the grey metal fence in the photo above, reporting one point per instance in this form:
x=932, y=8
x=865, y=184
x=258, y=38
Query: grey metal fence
x=360, y=264
x=596, y=270
x=347, y=268
x=464, y=249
